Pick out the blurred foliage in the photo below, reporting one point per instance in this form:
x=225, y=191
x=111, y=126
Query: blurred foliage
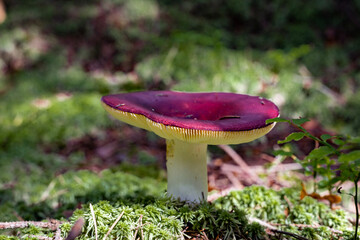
x=264, y=25
x=37, y=198
x=46, y=106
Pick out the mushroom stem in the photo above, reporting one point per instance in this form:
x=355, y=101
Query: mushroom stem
x=187, y=170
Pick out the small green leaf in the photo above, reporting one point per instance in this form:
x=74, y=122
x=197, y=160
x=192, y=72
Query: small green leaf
x=272, y=120
x=323, y=184
x=349, y=157
x=325, y=137
x=322, y=161
x=321, y=152
x=296, y=136
x=334, y=180
x=339, y=142
x=300, y=121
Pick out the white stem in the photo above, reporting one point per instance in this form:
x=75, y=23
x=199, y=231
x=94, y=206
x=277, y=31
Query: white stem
x=187, y=170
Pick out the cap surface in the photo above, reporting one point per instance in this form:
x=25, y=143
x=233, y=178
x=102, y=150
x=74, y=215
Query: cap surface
x=212, y=118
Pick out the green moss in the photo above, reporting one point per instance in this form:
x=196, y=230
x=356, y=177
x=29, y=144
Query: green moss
x=166, y=219
x=227, y=218
x=38, y=198
x=30, y=233
x=256, y=201
x=147, y=212
x=285, y=207
x=7, y=211
x=150, y=221
x=3, y=237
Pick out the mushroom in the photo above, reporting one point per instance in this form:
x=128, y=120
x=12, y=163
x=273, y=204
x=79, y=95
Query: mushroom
x=189, y=122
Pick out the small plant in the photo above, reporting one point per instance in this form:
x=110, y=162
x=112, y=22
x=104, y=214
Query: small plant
x=333, y=161
x=356, y=202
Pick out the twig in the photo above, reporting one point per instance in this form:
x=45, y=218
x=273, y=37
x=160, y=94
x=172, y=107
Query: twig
x=39, y=237
x=141, y=229
x=142, y=225
x=203, y=233
x=58, y=234
x=262, y=223
x=234, y=180
x=76, y=230
x=47, y=191
x=279, y=168
x=307, y=226
x=290, y=234
x=113, y=225
x=94, y=219
x=356, y=205
x=138, y=227
x=273, y=229
x=284, y=167
x=236, y=157
x=221, y=193
x=23, y=224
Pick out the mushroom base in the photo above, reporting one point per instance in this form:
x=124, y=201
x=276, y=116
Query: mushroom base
x=187, y=170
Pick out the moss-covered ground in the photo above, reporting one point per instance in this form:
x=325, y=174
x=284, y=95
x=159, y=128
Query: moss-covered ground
x=146, y=213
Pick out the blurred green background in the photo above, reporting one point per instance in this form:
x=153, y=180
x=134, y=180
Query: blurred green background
x=57, y=58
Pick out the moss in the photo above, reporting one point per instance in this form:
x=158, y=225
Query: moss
x=150, y=221
x=285, y=207
x=158, y=217
x=227, y=218
x=143, y=202
x=2, y=237
x=256, y=201
x=36, y=197
x=165, y=219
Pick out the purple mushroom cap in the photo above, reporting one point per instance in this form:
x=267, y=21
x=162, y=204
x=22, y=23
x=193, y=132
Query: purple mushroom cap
x=213, y=111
